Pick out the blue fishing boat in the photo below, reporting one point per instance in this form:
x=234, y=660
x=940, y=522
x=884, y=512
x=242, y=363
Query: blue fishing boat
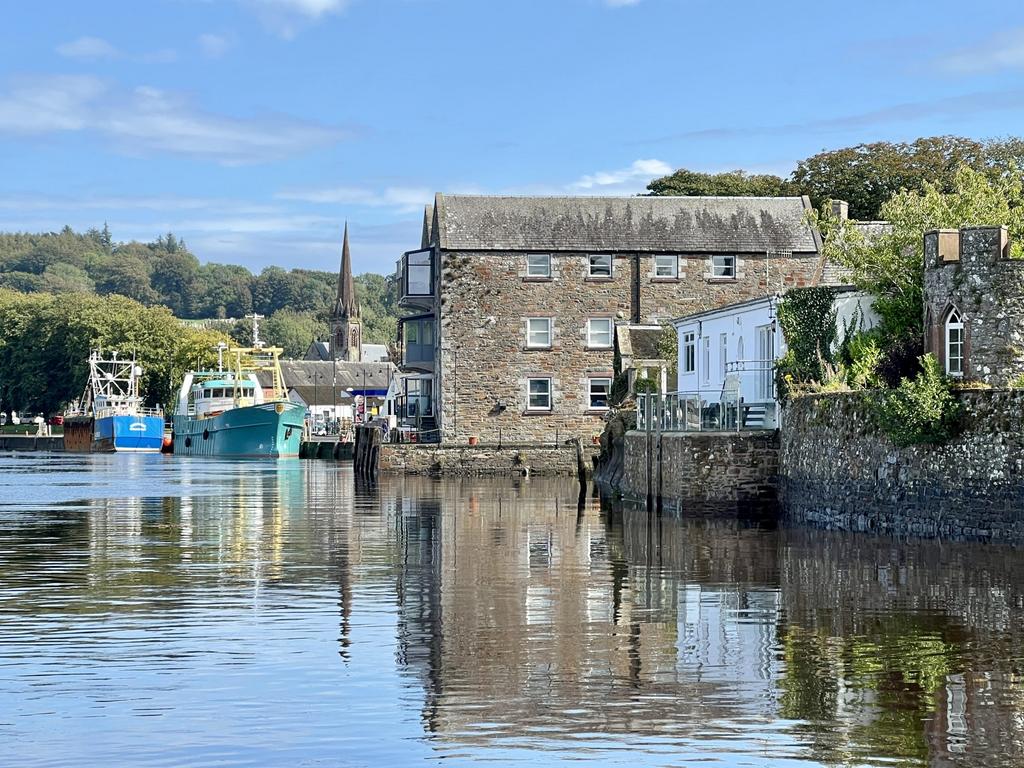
x=110, y=415
x=227, y=413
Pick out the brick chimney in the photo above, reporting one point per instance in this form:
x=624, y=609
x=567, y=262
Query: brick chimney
x=841, y=209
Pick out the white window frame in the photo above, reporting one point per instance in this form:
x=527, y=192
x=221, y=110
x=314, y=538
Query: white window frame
x=666, y=266
x=706, y=358
x=591, y=344
x=689, y=352
x=954, y=324
x=549, y=394
x=549, y=332
x=724, y=266
x=607, y=382
x=723, y=353
x=545, y=271
x=590, y=266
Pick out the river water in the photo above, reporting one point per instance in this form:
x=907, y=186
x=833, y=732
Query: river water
x=159, y=611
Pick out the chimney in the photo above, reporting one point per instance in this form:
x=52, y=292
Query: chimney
x=841, y=209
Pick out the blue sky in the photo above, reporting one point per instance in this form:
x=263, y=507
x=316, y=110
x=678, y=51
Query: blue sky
x=255, y=128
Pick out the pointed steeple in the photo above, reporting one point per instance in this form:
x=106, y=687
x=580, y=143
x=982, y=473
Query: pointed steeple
x=345, y=304
x=428, y=214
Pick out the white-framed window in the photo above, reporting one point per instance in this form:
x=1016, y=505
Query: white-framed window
x=666, y=265
x=598, y=391
x=954, y=343
x=705, y=362
x=538, y=265
x=599, y=265
x=723, y=353
x=599, y=332
x=538, y=394
x=723, y=266
x=689, y=352
x=538, y=332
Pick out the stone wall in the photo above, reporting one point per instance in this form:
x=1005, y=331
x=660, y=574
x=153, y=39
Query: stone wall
x=838, y=470
x=700, y=472
x=526, y=459
x=987, y=287
x=486, y=297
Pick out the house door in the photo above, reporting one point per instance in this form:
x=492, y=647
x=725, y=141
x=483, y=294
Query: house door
x=766, y=363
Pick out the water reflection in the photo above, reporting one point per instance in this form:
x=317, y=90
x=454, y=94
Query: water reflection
x=281, y=614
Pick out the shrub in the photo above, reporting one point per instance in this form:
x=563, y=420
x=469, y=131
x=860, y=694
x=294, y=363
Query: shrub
x=900, y=361
x=863, y=354
x=921, y=409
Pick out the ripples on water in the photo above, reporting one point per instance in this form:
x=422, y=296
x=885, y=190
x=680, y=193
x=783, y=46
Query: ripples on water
x=161, y=612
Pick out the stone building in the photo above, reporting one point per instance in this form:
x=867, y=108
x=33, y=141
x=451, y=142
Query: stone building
x=974, y=304
x=514, y=301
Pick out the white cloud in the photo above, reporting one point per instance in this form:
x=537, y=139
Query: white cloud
x=314, y=9
x=88, y=48
x=615, y=182
x=287, y=17
x=213, y=46
x=148, y=120
x=1003, y=50
x=402, y=199
x=620, y=3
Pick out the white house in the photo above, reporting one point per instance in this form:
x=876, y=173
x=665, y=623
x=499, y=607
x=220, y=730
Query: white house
x=728, y=354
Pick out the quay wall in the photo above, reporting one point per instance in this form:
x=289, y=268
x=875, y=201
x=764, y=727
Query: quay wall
x=837, y=470
x=713, y=473
x=471, y=460
x=31, y=443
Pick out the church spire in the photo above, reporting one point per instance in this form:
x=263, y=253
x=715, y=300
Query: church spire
x=345, y=305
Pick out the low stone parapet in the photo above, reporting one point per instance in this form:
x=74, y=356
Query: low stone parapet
x=468, y=460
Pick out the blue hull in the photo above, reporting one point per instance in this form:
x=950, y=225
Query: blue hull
x=269, y=431
x=130, y=434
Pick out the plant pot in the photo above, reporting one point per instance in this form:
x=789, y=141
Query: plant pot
x=474, y=440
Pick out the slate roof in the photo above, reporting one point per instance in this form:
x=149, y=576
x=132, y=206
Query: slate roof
x=625, y=224
x=312, y=379
x=638, y=342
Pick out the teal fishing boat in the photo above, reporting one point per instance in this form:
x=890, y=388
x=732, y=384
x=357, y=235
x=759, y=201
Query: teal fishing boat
x=227, y=413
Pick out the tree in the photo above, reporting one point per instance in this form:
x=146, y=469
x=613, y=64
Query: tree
x=729, y=184
x=891, y=265
x=293, y=331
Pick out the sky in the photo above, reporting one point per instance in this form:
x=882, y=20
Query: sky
x=254, y=129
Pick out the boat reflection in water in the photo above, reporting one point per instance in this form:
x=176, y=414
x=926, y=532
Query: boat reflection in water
x=309, y=618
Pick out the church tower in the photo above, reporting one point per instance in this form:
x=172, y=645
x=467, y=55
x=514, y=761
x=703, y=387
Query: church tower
x=346, y=330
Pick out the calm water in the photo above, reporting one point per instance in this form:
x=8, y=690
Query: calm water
x=165, y=612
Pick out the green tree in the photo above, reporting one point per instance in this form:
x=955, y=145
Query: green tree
x=293, y=331
x=729, y=184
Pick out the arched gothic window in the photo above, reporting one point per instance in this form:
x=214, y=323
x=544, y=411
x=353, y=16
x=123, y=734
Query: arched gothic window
x=954, y=343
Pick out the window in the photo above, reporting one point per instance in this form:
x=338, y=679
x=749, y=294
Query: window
x=597, y=394
x=538, y=265
x=739, y=350
x=666, y=266
x=723, y=266
x=600, y=265
x=689, y=352
x=538, y=395
x=954, y=343
x=723, y=353
x=599, y=332
x=538, y=332
x=706, y=358
x=419, y=273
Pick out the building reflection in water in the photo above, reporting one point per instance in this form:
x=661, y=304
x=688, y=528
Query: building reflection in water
x=526, y=622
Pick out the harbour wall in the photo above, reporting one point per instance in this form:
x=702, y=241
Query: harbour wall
x=31, y=443
x=709, y=473
x=837, y=470
x=470, y=460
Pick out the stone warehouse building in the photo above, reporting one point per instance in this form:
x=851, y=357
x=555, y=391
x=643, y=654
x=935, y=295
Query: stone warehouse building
x=514, y=301
x=974, y=304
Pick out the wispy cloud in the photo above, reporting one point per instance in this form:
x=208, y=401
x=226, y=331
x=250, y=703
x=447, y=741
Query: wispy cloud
x=402, y=199
x=145, y=120
x=1001, y=51
x=620, y=3
x=88, y=48
x=287, y=17
x=611, y=182
x=950, y=107
x=214, y=46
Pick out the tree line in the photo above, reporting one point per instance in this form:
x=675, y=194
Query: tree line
x=166, y=273
x=866, y=176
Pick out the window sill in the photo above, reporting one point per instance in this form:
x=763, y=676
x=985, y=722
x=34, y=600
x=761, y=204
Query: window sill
x=538, y=412
x=538, y=279
x=537, y=349
x=597, y=410
x=589, y=348
x=666, y=279
x=720, y=279
x=598, y=279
